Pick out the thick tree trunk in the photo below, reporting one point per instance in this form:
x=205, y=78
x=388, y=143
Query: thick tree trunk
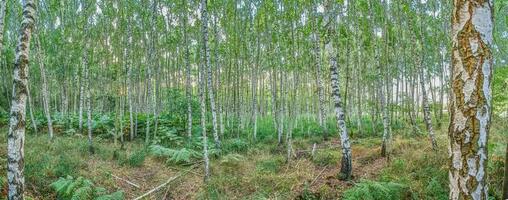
x=16, y=135
x=470, y=106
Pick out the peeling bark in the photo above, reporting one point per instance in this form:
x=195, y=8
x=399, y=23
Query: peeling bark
x=470, y=106
x=17, y=125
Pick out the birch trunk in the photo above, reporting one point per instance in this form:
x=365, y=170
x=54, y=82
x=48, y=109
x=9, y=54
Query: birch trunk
x=188, y=80
x=470, y=106
x=45, y=91
x=254, y=84
x=149, y=95
x=202, y=99
x=206, y=51
x=3, y=7
x=346, y=168
x=16, y=135
x=426, y=108
x=129, y=82
x=319, y=84
x=385, y=149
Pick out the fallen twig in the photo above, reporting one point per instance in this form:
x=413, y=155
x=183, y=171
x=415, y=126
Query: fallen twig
x=317, y=176
x=165, y=183
x=130, y=183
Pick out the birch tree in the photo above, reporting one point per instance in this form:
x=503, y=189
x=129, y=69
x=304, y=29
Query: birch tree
x=206, y=54
x=346, y=168
x=202, y=98
x=470, y=106
x=16, y=135
x=45, y=91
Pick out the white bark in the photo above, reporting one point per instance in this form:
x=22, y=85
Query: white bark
x=45, y=92
x=16, y=135
x=202, y=90
x=206, y=51
x=470, y=106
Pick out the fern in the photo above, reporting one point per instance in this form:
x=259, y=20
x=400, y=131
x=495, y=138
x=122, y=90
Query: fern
x=118, y=195
x=82, y=189
x=372, y=190
x=182, y=155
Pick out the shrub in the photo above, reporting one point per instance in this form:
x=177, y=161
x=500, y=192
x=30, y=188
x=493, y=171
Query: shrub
x=372, y=190
x=137, y=158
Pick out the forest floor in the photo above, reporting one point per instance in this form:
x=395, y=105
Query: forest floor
x=259, y=172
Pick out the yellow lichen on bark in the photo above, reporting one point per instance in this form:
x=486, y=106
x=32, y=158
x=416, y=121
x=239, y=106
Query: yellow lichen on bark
x=470, y=99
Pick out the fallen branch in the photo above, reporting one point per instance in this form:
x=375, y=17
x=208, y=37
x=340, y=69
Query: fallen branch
x=317, y=176
x=164, y=184
x=130, y=183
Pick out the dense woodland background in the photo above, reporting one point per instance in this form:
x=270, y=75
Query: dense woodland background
x=118, y=91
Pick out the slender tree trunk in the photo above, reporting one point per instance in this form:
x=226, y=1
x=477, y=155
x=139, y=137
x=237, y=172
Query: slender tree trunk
x=129, y=82
x=254, y=84
x=88, y=102
x=319, y=83
x=505, y=188
x=188, y=80
x=386, y=121
x=16, y=135
x=202, y=96
x=29, y=96
x=81, y=98
x=346, y=162
x=426, y=108
x=45, y=92
x=470, y=106
x=151, y=55
x=206, y=54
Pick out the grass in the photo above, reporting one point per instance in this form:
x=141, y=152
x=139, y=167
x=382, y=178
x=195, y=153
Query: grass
x=248, y=170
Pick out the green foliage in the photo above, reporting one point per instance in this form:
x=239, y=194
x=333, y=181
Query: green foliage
x=80, y=188
x=423, y=171
x=499, y=94
x=372, y=190
x=178, y=156
x=137, y=158
x=235, y=146
x=326, y=157
x=4, y=117
x=307, y=127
